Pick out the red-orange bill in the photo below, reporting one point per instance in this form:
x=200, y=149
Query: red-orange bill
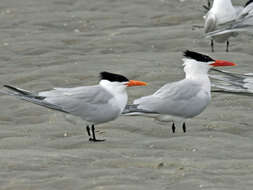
x=136, y=83
x=222, y=63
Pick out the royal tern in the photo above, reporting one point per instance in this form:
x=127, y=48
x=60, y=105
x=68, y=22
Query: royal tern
x=243, y=22
x=222, y=12
x=94, y=104
x=183, y=99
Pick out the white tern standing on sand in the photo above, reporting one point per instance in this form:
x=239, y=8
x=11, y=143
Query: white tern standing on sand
x=95, y=104
x=183, y=99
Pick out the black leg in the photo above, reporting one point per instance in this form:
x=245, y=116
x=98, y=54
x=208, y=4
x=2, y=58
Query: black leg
x=173, y=127
x=88, y=130
x=184, y=127
x=93, y=132
x=93, y=139
x=212, y=46
x=227, y=49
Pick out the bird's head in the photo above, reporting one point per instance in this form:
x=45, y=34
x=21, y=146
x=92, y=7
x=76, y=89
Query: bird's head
x=197, y=63
x=118, y=81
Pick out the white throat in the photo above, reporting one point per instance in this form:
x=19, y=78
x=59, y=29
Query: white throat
x=118, y=90
x=195, y=69
x=198, y=72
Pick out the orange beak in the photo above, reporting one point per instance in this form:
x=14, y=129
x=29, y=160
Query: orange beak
x=222, y=63
x=136, y=83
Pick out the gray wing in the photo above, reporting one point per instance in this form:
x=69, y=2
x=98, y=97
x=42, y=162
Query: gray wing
x=78, y=100
x=224, y=90
x=172, y=99
x=246, y=11
x=181, y=90
x=232, y=82
x=81, y=101
x=245, y=25
x=89, y=94
x=91, y=103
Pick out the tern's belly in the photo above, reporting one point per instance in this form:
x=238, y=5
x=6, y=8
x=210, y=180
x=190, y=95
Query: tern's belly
x=104, y=116
x=222, y=38
x=98, y=114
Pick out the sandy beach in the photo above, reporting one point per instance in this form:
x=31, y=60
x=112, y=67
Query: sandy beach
x=67, y=43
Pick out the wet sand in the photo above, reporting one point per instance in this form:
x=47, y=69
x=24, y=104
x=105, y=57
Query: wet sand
x=66, y=43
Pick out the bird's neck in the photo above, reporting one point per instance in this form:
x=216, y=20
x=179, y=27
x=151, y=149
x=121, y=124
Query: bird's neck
x=202, y=79
x=119, y=93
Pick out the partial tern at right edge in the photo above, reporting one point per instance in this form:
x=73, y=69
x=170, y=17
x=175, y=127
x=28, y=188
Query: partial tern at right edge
x=232, y=83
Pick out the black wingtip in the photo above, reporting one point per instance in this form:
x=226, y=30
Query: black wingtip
x=7, y=86
x=197, y=56
x=14, y=89
x=249, y=2
x=112, y=77
x=23, y=92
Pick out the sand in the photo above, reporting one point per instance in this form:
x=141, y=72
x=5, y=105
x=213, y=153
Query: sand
x=66, y=43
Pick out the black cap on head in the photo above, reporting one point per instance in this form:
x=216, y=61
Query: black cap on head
x=197, y=56
x=113, y=77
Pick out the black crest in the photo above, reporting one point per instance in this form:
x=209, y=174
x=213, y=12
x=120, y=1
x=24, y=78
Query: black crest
x=197, y=56
x=249, y=2
x=113, y=77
